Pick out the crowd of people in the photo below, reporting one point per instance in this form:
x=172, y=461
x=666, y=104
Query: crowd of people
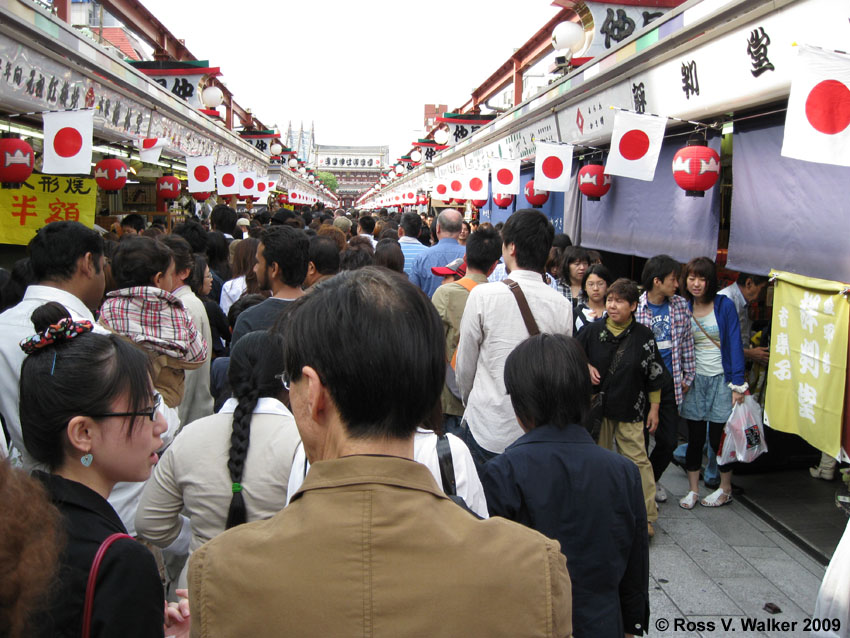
x=326, y=422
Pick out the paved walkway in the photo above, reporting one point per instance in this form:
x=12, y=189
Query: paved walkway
x=711, y=566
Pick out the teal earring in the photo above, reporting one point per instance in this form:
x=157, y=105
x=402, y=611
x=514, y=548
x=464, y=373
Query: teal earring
x=87, y=459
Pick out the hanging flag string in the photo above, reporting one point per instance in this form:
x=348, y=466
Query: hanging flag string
x=714, y=125
x=88, y=108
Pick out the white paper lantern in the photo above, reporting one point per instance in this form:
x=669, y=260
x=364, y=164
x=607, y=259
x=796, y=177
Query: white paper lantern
x=441, y=136
x=568, y=36
x=276, y=149
x=212, y=97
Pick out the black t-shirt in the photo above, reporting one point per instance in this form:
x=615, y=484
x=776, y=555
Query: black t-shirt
x=260, y=317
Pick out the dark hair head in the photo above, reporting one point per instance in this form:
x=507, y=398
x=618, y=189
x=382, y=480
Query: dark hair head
x=245, y=256
x=289, y=248
x=388, y=254
x=701, y=267
x=217, y=254
x=600, y=271
x=138, y=260
x=562, y=240
x=361, y=243
x=571, y=255
x=256, y=363
x=659, y=267
x=51, y=392
x=624, y=289
x=483, y=249
x=757, y=280
x=411, y=223
x=223, y=218
x=367, y=224
x=241, y=305
x=356, y=257
x=532, y=233
x=15, y=286
x=195, y=281
x=334, y=233
x=134, y=221
x=58, y=246
x=183, y=258
x=547, y=379
x=194, y=233
x=370, y=379
x=324, y=253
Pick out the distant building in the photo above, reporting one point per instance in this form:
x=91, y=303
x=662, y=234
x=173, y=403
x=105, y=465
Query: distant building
x=432, y=112
x=356, y=167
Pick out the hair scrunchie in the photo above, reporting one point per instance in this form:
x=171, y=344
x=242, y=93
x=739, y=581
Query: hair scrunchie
x=60, y=332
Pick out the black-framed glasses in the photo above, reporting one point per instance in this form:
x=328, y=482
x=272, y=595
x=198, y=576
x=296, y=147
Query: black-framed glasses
x=146, y=412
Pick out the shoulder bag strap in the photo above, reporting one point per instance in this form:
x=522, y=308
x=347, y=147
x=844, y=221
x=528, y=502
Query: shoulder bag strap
x=447, y=467
x=95, y=566
x=522, y=302
x=467, y=283
x=699, y=325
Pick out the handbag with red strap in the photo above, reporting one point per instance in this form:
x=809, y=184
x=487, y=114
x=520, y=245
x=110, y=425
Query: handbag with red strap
x=95, y=566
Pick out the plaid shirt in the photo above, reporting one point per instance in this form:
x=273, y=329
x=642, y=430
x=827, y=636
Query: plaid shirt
x=684, y=361
x=156, y=320
x=564, y=289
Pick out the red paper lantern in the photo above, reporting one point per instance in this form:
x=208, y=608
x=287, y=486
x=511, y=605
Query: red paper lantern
x=593, y=182
x=167, y=187
x=16, y=162
x=696, y=168
x=502, y=201
x=478, y=203
x=201, y=197
x=458, y=202
x=534, y=197
x=110, y=174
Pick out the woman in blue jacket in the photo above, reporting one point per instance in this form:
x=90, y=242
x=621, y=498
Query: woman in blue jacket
x=719, y=382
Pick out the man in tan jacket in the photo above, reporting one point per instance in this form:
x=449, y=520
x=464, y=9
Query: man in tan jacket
x=370, y=545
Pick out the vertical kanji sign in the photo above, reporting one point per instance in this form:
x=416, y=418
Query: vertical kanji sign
x=43, y=199
x=808, y=359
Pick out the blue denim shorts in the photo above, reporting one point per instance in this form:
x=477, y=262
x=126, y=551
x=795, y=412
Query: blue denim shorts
x=709, y=399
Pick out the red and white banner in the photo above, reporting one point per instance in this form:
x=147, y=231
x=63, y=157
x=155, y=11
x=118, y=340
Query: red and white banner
x=271, y=183
x=261, y=189
x=200, y=171
x=227, y=178
x=247, y=184
x=440, y=190
x=68, y=142
x=505, y=175
x=817, y=124
x=477, y=184
x=150, y=148
x=553, y=164
x=635, y=145
x=457, y=186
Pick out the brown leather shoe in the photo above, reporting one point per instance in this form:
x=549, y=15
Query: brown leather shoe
x=650, y=530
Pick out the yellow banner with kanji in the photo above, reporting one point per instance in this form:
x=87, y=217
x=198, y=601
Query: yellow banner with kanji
x=43, y=199
x=808, y=359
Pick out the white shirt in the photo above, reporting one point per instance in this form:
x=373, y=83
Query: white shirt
x=500, y=272
x=467, y=482
x=231, y=291
x=490, y=329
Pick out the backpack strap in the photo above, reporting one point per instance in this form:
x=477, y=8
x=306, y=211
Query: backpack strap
x=467, y=283
x=95, y=566
x=522, y=302
x=447, y=467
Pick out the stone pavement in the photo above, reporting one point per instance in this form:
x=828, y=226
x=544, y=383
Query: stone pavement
x=711, y=566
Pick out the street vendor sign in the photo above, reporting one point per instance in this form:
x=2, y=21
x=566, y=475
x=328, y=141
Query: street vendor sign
x=808, y=359
x=43, y=199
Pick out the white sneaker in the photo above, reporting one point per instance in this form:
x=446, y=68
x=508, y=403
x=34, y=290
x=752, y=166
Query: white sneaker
x=660, y=494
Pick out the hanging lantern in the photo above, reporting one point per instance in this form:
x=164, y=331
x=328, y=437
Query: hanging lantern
x=416, y=156
x=167, y=187
x=593, y=182
x=502, y=201
x=535, y=197
x=458, y=202
x=479, y=203
x=696, y=167
x=110, y=174
x=201, y=197
x=276, y=148
x=16, y=161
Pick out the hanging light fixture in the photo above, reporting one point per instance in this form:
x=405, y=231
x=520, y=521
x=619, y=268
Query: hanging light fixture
x=441, y=136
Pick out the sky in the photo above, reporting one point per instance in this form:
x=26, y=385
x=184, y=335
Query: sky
x=361, y=70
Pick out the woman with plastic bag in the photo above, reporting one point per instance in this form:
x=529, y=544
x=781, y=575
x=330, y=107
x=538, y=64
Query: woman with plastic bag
x=719, y=383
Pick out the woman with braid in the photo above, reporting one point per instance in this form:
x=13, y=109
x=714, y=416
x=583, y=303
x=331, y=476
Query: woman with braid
x=254, y=432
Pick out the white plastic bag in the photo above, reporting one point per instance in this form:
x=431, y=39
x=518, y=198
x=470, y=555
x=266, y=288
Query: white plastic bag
x=832, y=608
x=743, y=437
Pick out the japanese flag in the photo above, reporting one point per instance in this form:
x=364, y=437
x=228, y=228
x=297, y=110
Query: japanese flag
x=477, y=184
x=635, y=145
x=441, y=190
x=247, y=184
x=457, y=186
x=553, y=165
x=262, y=187
x=201, y=173
x=150, y=148
x=68, y=142
x=271, y=183
x=227, y=177
x=505, y=175
x=817, y=124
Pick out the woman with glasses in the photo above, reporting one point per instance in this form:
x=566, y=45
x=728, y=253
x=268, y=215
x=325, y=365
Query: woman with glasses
x=89, y=415
x=254, y=432
x=595, y=284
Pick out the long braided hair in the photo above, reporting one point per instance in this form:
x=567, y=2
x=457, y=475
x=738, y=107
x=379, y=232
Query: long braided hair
x=256, y=363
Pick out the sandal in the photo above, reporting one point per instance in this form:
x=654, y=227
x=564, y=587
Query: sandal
x=717, y=498
x=689, y=501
